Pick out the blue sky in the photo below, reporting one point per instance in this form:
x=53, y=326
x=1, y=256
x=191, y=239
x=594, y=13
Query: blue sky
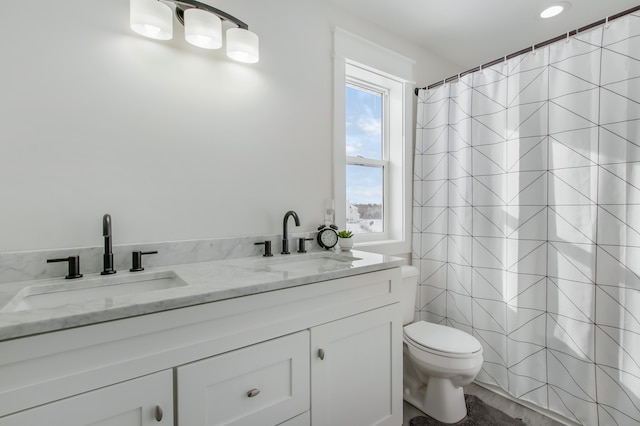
x=363, y=138
x=363, y=119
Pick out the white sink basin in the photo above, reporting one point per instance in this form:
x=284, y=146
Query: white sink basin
x=309, y=264
x=52, y=295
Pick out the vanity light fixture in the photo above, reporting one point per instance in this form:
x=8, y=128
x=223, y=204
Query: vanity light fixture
x=202, y=26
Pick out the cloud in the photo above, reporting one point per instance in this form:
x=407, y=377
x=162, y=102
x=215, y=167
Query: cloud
x=365, y=195
x=364, y=185
x=354, y=145
x=369, y=125
x=364, y=135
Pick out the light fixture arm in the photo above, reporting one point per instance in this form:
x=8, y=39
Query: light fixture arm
x=182, y=5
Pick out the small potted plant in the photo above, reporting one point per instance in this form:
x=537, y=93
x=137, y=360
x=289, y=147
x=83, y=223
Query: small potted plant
x=345, y=240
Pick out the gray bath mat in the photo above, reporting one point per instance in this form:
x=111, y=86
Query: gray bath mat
x=478, y=414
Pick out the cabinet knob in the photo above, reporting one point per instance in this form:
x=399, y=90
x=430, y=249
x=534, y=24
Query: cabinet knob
x=321, y=354
x=253, y=392
x=158, y=413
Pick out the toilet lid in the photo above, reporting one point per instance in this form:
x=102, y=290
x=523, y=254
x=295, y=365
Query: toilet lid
x=442, y=338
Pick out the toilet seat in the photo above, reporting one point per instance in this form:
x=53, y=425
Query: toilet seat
x=442, y=340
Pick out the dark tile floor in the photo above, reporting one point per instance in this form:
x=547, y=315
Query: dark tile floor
x=530, y=417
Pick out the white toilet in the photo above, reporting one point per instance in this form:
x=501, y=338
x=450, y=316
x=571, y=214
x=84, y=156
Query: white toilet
x=438, y=360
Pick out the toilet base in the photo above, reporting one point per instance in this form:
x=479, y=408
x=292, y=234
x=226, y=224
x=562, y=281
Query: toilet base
x=445, y=402
x=438, y=399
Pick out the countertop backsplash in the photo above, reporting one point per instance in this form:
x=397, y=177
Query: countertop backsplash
x=32, y=265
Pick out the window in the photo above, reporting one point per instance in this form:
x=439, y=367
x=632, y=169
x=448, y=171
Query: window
x=367, y=153
x=373, y=152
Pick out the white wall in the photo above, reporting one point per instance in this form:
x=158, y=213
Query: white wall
x=173, y=141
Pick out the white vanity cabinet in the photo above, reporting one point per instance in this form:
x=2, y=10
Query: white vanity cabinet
x=250, y=360
x=145, y=401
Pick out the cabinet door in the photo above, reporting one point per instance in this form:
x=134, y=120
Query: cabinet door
x=303, y=419
x=140, y=402
x=356, y=370
x=264, y=385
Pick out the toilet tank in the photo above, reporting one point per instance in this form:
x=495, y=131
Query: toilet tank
x=409, y=289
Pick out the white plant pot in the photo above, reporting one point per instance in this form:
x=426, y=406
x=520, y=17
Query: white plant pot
x=346, y=244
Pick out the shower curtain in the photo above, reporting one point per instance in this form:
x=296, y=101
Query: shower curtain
x=526, y=221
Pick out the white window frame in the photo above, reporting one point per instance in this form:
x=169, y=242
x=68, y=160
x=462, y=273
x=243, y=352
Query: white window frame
x=366, y=80
x=362, y=63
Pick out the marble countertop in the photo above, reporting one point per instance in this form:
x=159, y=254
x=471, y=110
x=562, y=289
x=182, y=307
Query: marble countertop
x=202, y=282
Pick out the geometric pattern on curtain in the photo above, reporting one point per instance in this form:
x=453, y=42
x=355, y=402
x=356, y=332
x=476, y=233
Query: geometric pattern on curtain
x=526, y=221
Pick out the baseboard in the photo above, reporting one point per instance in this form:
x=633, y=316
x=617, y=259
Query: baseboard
x=555, y=416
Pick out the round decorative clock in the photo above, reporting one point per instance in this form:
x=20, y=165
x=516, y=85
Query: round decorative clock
x=327, y=236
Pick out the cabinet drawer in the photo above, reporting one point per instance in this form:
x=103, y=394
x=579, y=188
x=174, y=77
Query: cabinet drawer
x=263, y=384
x=131, y=403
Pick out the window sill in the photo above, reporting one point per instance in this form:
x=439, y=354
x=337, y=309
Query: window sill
x=388, y=247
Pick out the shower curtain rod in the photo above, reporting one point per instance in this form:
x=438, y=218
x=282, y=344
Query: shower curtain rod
x=529, y=49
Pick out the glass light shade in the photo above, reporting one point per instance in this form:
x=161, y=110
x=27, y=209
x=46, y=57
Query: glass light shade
x=202, y=29
x=242, y=45
x=552, y=11
x=152, y=18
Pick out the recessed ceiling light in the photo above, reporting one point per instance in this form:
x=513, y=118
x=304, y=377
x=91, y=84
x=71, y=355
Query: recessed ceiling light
x=554, y=9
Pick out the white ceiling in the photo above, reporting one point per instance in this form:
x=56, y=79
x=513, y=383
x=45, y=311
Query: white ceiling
x=472, y=32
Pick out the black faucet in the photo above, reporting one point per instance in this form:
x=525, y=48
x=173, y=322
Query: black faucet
x=285, y=233
x=108, y=253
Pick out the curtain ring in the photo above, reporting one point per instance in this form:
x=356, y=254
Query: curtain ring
x=533, y=49
x=568, y=35
x=606, y=23
x=480, y=68
x=458, y=76
x=444, y=83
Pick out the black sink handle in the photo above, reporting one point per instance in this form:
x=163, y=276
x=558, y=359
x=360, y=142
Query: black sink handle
x=136, y=260
x=74, y=266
